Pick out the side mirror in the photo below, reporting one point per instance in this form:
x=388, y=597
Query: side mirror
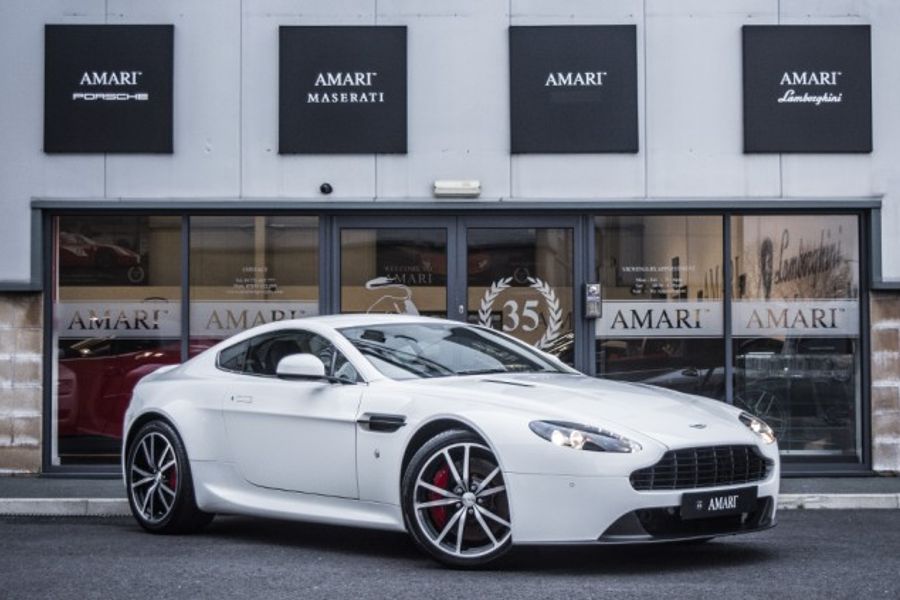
x=300, y=366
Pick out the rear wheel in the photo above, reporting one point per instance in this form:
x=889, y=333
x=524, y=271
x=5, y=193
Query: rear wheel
x=158, y=478
x=455, y=501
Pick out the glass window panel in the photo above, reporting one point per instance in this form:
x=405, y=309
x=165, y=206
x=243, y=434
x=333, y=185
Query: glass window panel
x=251, y=270
x=795, y=320
x=662, y=319
x=117, y=317
x=400, y=271
x=520, y=280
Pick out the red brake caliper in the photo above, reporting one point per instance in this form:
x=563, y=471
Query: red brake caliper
x=439, y=513
x=172, y=477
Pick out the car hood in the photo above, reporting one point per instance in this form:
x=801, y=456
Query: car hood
x=671, y=418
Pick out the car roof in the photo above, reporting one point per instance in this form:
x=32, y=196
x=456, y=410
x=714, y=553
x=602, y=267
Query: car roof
x=360, y=320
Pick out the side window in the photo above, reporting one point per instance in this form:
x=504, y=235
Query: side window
x=232, y=359
x=265, y=351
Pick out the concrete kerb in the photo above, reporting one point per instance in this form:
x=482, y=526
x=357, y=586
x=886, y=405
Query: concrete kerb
x=64, y=507
x=118, y=507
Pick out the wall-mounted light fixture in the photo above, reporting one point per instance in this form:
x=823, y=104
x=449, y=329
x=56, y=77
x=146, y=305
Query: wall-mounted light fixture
x=457, y=188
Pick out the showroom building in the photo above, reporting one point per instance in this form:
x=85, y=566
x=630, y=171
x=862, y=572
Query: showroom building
x=700, y=195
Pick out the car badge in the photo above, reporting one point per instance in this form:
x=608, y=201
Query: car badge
x=697, y=425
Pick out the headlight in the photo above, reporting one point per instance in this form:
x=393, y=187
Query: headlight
x=758, y=426
x=583, y=437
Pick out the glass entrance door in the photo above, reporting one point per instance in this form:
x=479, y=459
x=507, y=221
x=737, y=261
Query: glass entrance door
x=386, y=266
x=521, y=278
x=515, y=275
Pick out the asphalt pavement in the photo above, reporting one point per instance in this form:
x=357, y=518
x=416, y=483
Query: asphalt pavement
x=810, y=555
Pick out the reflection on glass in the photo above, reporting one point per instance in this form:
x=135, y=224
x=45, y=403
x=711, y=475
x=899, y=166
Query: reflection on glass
x=248, y=271
x=662, y=311
x=401, y=271
x=795, y=320
x=520, y=281
x=117, y=318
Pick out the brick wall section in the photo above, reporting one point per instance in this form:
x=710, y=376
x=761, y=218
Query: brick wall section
x=20, y=383
x=886, y=381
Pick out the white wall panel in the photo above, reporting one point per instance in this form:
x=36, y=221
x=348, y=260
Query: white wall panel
x=458, y=97
x=226, y=108
x=265, y=172
x=206, y=103
x=873, y=174
x=25, y=171
x=543, y=176
x=694, y=100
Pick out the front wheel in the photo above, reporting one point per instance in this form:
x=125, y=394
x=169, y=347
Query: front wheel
x=455, y=501
x=158, y=478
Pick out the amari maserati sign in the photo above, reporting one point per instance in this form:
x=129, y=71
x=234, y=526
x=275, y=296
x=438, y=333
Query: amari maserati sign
x=573, y=89
x=108, y=88
x=342, y=90
x=807, y=88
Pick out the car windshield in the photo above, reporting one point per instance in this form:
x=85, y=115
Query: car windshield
x=423, y=350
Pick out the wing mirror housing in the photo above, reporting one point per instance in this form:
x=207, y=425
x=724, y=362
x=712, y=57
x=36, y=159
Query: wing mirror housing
x=300, y=366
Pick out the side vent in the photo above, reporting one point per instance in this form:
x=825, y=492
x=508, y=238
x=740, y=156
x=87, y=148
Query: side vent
x=381, y=422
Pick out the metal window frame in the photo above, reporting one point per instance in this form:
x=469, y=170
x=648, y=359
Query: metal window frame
x=506, y=213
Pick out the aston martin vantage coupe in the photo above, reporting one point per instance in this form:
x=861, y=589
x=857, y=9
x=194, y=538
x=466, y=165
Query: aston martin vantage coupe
x=460, y=435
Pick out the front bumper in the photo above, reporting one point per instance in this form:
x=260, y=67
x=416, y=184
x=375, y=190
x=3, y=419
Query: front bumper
x=559, y=509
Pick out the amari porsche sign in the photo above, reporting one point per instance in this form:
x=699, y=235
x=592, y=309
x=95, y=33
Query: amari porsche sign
x=573, y=89
x=342, y=90
x=807, y=88
x=108, y=88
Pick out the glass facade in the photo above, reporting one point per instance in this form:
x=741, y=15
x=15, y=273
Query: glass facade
x=663, y=288
x=117, y=316
x=781, y=338
x=796, y=327
x=248, y=271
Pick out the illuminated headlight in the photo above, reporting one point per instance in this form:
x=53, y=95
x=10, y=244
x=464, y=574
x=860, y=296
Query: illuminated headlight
x=583, y=437
x=759, y=427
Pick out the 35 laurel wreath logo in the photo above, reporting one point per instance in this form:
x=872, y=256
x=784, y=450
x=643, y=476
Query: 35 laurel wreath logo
x=552, y=312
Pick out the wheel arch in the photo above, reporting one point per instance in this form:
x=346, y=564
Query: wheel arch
x=439, y=424
x=140, y=421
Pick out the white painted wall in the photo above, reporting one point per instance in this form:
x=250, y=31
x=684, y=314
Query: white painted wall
x=226, y=128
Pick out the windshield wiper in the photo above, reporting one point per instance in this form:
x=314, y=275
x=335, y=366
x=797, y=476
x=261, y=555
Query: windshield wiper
x=402, y=359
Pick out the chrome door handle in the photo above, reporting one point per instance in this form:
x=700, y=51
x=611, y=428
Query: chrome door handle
x=242, y=399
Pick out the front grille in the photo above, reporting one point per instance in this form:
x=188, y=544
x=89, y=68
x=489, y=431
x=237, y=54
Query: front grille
x=710, y=466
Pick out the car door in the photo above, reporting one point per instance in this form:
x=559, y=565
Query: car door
x=291, y=434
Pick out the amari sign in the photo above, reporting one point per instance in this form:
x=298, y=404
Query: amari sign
x=807, y=88
x=342, y=90
x=649, y=318
x=108, y=88
x=573, y=89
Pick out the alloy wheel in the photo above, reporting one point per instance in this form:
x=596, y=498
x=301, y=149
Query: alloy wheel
x=460, y=501
x=154, y=477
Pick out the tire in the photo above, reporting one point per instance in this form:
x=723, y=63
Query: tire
x=159, y=484
x=136, y=274
x=459, y=525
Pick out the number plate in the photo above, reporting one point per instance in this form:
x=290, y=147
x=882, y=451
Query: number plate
x=702, y=505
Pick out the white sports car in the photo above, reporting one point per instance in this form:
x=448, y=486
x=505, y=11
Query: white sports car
x=464, y=437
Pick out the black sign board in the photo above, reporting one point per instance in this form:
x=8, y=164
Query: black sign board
x=342, y=90
x=573, y=89
x=807, y=88
x=108, y=88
